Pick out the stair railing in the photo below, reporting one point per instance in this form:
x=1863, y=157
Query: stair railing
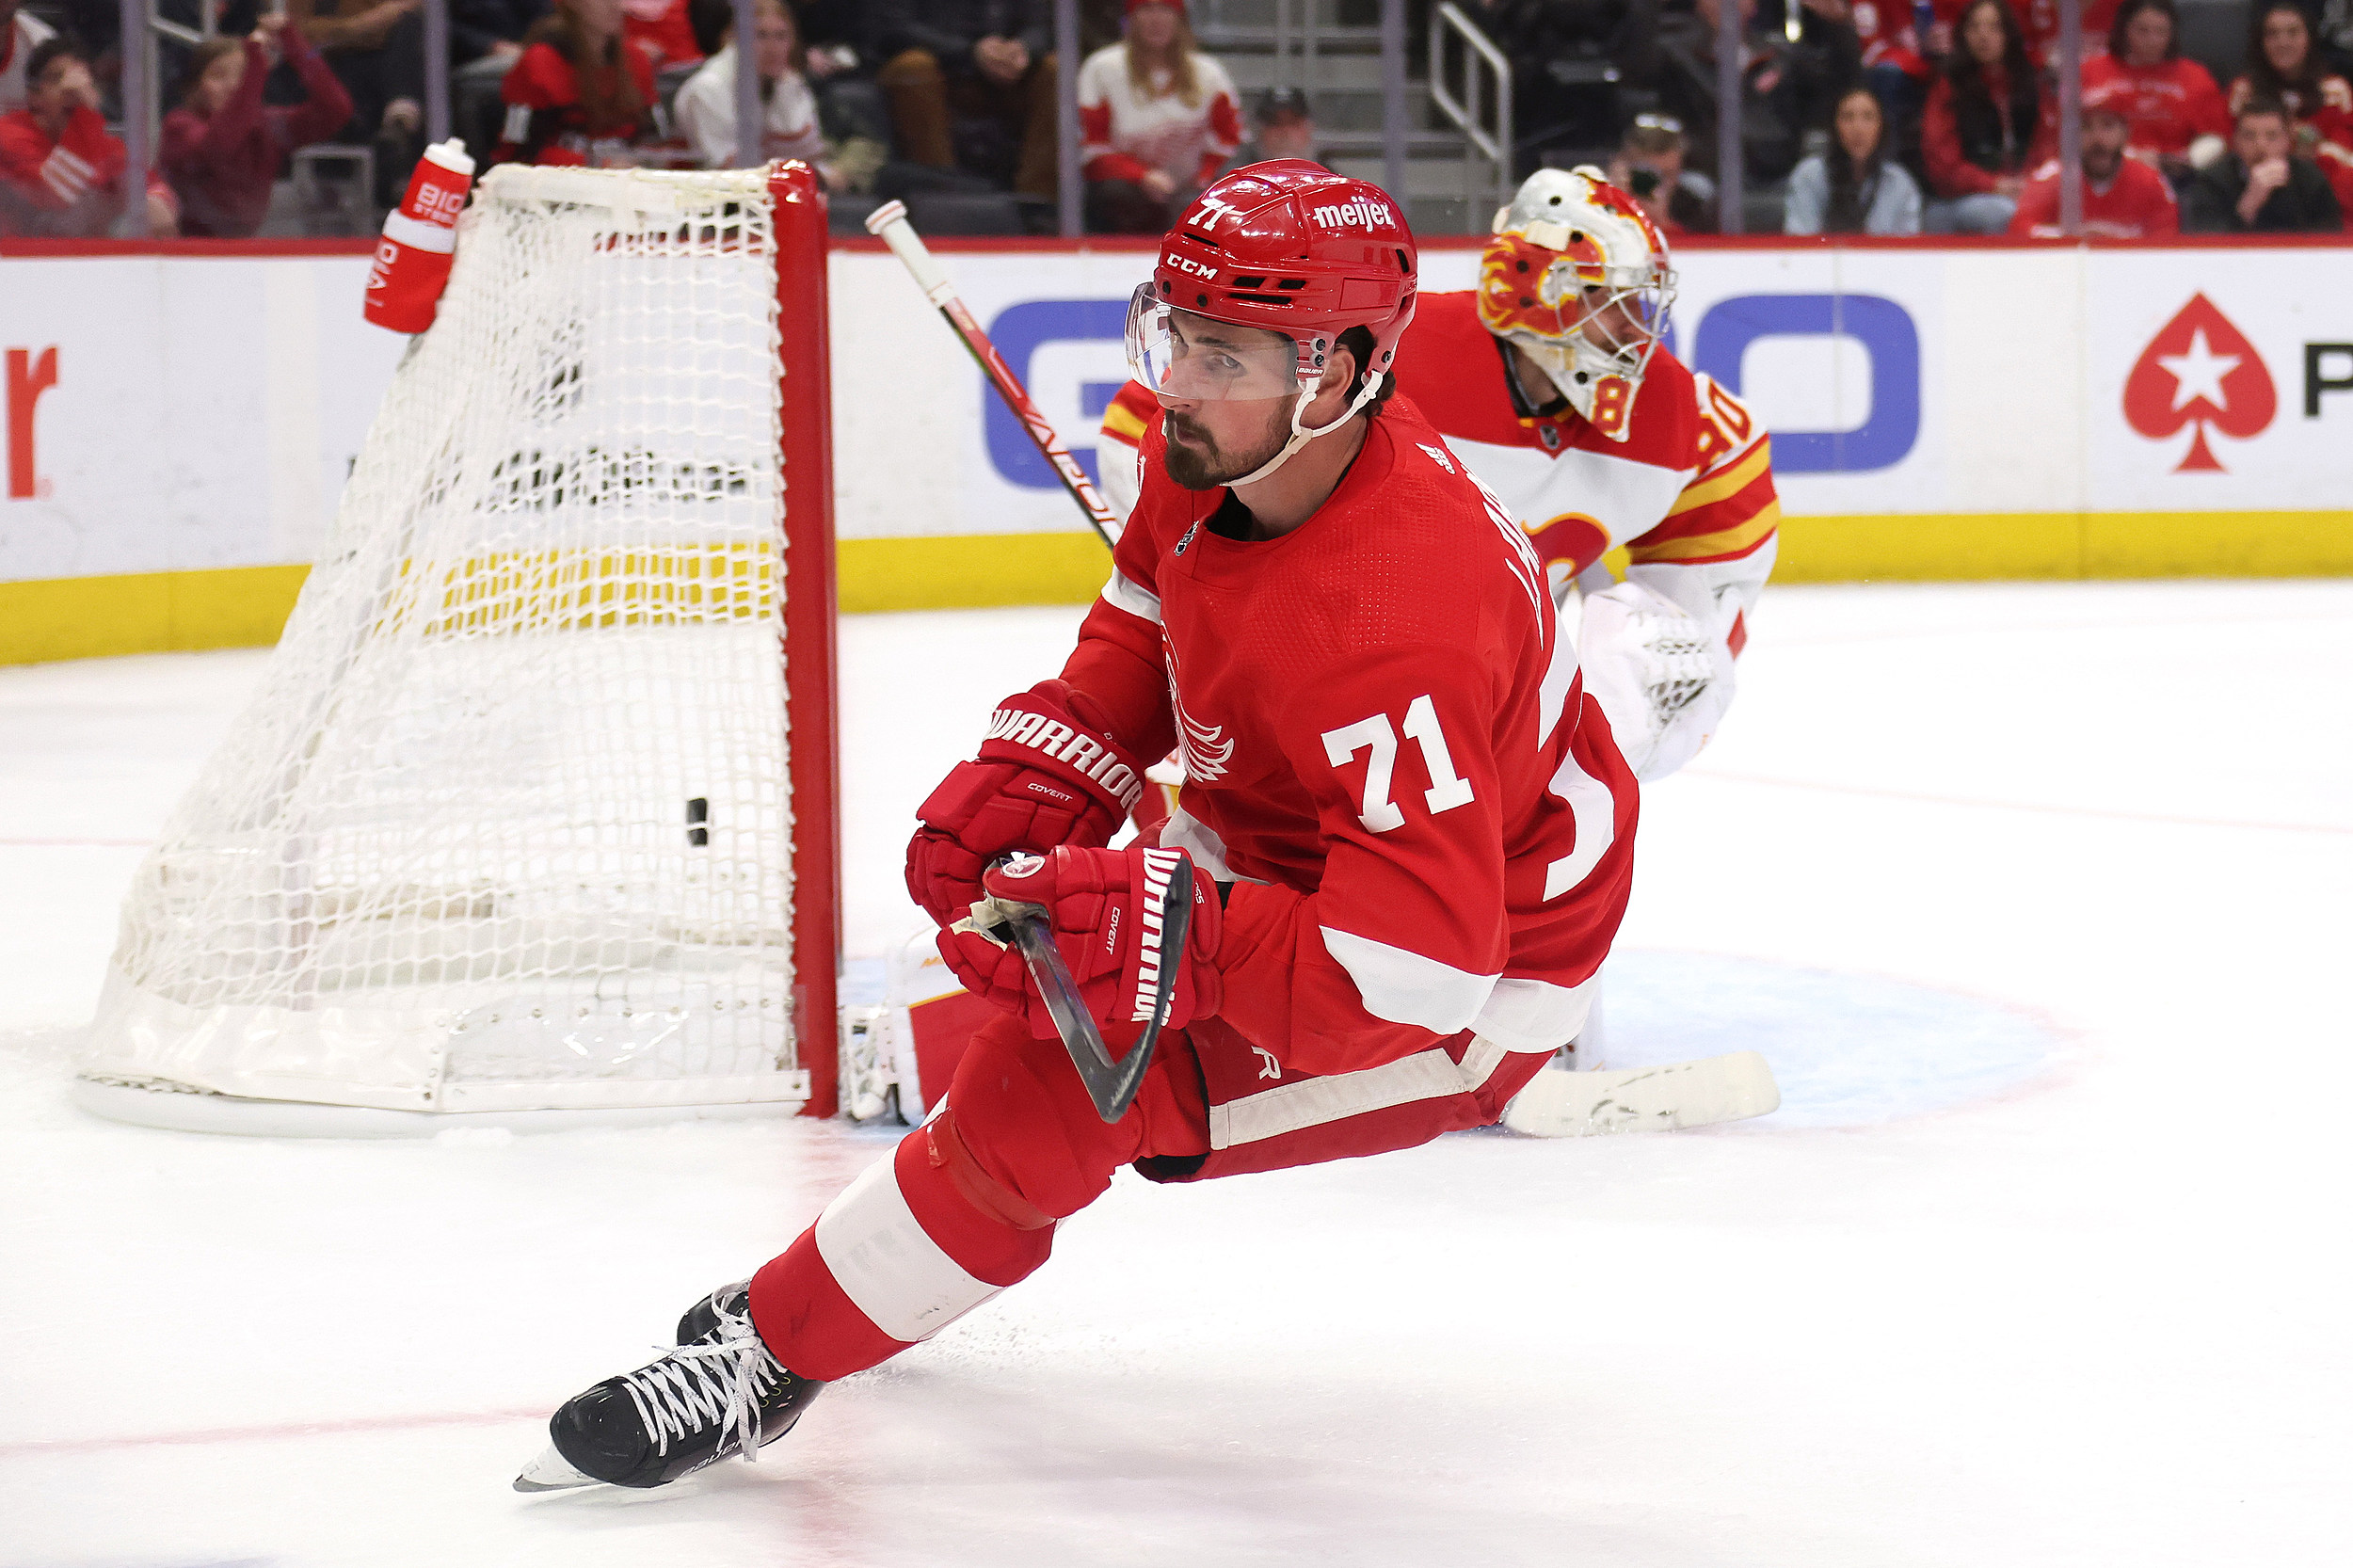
x=1482, y=113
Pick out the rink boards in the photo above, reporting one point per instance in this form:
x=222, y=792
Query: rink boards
x=179, y=426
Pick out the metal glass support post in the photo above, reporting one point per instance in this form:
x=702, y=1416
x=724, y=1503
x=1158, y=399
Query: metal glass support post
x=1307, y=47
x=1729, y=170
x=1393, y=98
x=1068, y=189
x=2070, y=127
x=136, y=51
x=750, y=136
x=436, y=70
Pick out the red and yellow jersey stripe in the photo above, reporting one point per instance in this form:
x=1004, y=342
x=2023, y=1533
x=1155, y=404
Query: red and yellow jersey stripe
x=1132, y=412
x=1723, y=515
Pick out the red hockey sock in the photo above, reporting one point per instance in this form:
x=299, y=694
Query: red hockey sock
x=966, y=1205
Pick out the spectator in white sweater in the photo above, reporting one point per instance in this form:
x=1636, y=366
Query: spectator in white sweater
x=1855, y=189
x=1156, y=120
x=705, y=106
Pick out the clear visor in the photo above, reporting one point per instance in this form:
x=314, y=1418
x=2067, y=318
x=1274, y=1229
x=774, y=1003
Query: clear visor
x=1182, y=355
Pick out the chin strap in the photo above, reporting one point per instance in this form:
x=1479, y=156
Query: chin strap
x=1301, y=435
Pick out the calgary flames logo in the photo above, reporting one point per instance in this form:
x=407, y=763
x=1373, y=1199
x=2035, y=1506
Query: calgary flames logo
x=2199, y=370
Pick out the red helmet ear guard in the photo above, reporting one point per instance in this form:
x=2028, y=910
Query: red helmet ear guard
x=1289, y=246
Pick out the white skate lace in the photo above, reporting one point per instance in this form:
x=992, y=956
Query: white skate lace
x=680, y=1393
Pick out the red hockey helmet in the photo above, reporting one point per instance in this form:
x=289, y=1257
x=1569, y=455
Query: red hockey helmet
x=1284, y=247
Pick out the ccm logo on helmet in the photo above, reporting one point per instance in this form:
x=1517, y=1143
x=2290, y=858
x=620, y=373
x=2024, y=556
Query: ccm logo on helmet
x=1186, y=264
x=1345, y=214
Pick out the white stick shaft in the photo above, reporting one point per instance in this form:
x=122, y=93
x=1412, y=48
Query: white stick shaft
x=889, y=222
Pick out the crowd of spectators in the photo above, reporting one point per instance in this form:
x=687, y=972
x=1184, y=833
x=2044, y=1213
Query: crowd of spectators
x=1891, y=117
x=1962, y=117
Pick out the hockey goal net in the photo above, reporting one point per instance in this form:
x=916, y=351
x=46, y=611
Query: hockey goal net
x=533, y=810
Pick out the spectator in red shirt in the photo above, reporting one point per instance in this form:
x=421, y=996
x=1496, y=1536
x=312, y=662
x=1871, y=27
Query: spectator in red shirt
x=2171, y=104
x=61, y=172
x=223, y=146
x=579, y=93
x=1985, y=127
x=663, y=30
x=2124, y=198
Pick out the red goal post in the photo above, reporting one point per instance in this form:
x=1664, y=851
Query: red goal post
x=805, y=355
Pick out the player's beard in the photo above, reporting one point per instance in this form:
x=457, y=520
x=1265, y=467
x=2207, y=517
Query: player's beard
x=1207, y=465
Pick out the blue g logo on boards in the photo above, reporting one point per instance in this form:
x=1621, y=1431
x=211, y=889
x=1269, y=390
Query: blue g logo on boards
x=1019, y=333
x=1882, y=327
x=1886, y=334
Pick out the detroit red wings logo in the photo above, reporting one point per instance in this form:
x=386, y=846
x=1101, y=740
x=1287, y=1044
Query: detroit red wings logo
x=2199, y=370
x=1207, y=749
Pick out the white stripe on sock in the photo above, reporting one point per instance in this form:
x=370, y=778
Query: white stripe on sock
x=887, y=1265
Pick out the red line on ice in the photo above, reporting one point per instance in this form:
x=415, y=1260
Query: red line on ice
x=39, y=1448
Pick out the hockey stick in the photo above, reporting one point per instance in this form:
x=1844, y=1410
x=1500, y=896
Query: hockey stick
x=1645, y=1099
x=1110, y=1081
x=889, y=222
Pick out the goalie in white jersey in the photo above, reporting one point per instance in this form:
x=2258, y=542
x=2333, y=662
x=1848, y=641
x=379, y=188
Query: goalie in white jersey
x=1551, y=381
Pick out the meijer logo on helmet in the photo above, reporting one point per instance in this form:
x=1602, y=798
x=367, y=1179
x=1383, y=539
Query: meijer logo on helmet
x=1346, y=214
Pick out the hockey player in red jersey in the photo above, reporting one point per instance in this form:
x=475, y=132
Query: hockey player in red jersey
x=1549, y=380
x=1412, y=833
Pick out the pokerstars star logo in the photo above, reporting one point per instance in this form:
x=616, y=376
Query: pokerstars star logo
x=2200, y=370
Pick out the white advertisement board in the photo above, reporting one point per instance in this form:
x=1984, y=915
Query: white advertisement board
x=1895, y=381
x=170, y=413
x=180, y=413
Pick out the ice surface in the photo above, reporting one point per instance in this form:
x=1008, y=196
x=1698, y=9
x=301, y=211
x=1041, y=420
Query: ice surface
x=2035, y=896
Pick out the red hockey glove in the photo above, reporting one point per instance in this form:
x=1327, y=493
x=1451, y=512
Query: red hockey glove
x=1104, y=907
x=1049, y=773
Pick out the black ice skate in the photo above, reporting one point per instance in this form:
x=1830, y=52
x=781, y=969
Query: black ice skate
x=694, y=1405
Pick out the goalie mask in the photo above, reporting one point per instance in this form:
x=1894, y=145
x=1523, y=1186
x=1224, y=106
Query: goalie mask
x=1577, y=276
x=1258, y=280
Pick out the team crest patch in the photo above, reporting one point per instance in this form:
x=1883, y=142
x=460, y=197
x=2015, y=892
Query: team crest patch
x=1438, y=455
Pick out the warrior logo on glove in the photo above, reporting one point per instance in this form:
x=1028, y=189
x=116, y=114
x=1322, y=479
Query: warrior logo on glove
x=1103, y=906
x=1050, y=772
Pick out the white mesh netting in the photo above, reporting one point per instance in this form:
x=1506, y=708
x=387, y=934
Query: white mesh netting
x=507, y=825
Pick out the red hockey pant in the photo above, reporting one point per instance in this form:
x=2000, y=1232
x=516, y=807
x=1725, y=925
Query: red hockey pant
x=966, y=1204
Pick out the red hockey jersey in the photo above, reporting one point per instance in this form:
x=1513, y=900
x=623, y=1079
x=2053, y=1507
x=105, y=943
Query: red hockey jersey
x=2169, y=105
x=2136, y=204
x=545, y=120
x=1387, y=742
